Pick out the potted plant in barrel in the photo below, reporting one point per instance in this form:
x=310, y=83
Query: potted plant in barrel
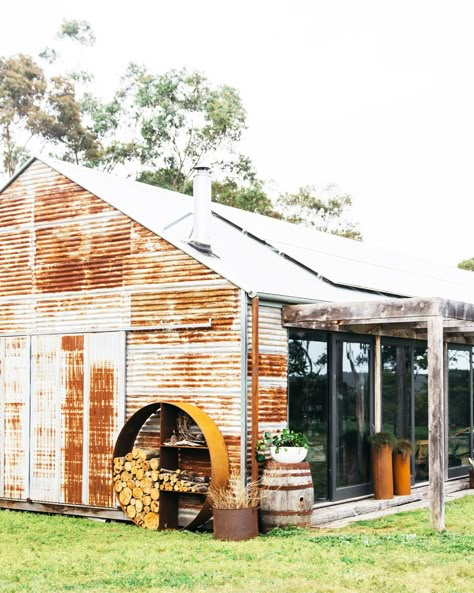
x=382, y=445
x=402, y=451
x=235, y=508
x=286, y=446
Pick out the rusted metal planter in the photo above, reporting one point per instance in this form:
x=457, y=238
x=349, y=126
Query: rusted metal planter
x=401, y=474
x=235, y=524
x=382, y=472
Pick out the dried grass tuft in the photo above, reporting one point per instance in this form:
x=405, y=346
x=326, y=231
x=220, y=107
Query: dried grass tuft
x=235, y=495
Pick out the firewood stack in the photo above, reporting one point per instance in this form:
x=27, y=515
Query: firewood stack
x=181, y=481
x=137, y=485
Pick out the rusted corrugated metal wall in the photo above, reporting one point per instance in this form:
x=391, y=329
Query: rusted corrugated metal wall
x=93, y=306
x=273, y=369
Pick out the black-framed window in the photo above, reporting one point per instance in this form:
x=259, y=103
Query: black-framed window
x=353, y=407
x=330, y=387
x=459, y=416
x=308, y=401
x=405, y=402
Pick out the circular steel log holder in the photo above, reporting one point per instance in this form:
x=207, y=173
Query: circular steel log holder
x=213, y=437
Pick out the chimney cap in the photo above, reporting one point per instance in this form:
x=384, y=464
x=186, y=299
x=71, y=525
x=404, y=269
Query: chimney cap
x=202, y=168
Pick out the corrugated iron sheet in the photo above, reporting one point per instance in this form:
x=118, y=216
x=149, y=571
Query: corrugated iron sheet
x=14, y=416
x=273, y=367
x=46, y=397
x=105, y=357
x=72, y=437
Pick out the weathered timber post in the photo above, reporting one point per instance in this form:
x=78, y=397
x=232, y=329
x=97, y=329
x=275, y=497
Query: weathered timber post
x=436, y=420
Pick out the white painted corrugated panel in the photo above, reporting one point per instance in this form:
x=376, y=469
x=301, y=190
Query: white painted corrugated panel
x=14, y=416
x=46, y=398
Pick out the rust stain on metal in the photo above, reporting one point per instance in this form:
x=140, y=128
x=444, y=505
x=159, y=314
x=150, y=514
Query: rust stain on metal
x=101, y=427
x=270, y=365
x=155, y=261
x=81, y=256
x=15, y=270
x=60, y=199
x=273, y=404
x=73, y=414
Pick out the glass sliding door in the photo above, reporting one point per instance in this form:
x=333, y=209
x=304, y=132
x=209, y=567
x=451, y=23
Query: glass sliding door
x=308, y=401
x=421, y=435
x=459, y=410
x=397, y=389
x=351, y=416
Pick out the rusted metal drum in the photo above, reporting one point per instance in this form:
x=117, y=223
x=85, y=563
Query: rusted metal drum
x=401, y=474
x=286, y=495
x=235, y=524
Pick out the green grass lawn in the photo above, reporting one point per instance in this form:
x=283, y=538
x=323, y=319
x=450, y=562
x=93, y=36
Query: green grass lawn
x=47, y=554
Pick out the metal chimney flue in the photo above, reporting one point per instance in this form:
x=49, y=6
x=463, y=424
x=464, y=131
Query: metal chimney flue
x=201, y=233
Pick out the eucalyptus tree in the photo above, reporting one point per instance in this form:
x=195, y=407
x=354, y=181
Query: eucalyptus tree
x=323, y=209
x=169, y=123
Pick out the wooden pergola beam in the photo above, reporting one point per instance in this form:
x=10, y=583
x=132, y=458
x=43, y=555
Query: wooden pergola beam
x=406, y=311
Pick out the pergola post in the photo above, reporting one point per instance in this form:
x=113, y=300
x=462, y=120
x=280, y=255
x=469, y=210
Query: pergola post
x=436, y=420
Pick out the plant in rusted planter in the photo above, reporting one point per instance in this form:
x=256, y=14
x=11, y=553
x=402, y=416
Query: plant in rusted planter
x=402, y=452
x=382, y=468
x=235, y=509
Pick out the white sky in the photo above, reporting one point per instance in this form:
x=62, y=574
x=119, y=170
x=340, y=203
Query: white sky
x=375, y=96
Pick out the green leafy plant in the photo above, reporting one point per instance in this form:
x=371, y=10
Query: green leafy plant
x=471, y=462
x=380, y=439
x=285, y=438
x=404, y=447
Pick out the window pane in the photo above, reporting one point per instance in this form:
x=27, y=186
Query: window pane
x=396, y=390
x=459, y=437
x=308, y=405
x=353, y=413
x=421, y=414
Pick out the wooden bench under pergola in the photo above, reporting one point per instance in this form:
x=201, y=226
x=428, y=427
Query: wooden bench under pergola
x=439, y=322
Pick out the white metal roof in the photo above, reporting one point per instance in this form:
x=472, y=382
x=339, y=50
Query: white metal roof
x=268, y=256
x=355, y=263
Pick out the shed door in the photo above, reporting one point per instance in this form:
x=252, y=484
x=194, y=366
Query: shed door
x=77, y=408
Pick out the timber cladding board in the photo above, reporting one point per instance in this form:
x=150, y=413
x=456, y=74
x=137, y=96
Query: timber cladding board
x=72, y=263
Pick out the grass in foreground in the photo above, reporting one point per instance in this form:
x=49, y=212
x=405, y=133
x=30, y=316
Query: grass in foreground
x=401, y=553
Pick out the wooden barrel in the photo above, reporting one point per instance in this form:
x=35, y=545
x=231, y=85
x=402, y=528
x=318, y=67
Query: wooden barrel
x=286, y=495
